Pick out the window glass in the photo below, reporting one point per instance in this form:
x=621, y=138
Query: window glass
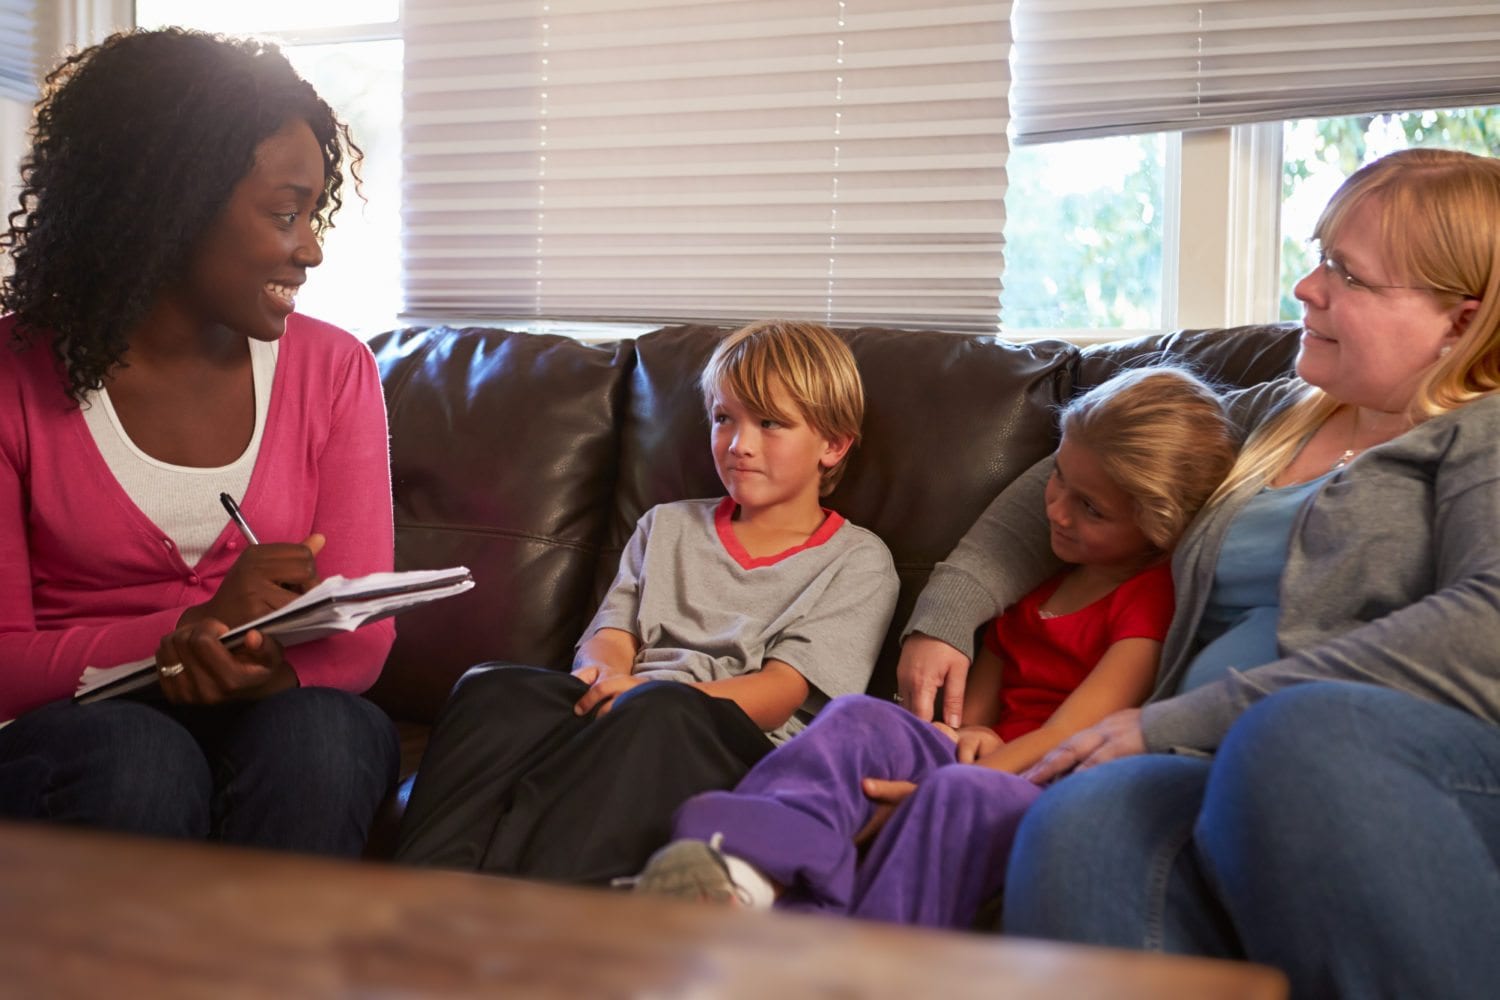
x=1083, y=235
x=358, y=286
x=1320, y=152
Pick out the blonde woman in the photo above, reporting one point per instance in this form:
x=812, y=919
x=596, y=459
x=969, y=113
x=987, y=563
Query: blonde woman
x=1336, y=647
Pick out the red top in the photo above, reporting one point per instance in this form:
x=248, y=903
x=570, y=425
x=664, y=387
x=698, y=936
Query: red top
x=1045, y=659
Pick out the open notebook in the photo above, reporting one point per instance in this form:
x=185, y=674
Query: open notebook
x=335, y=605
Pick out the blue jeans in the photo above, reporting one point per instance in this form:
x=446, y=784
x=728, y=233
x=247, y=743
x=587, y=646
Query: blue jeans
x=1346, y=834
x=302, y=770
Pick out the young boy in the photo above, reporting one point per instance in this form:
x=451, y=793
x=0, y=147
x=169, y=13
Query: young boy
x=729, y=624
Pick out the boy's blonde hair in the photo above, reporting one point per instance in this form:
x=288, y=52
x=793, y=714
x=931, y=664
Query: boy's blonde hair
x=1163, y=437
x=808, y=361
x=1439, y=216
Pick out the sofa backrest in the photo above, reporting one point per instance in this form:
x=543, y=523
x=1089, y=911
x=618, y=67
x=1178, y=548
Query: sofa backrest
x=529, y=458
x=504, y=451
x=1229, y=356
x=949, y=420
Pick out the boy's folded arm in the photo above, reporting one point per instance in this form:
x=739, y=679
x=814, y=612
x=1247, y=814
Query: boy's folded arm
x=769, y=695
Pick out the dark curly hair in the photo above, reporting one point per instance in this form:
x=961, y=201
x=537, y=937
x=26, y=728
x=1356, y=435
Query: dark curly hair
x=137, y=144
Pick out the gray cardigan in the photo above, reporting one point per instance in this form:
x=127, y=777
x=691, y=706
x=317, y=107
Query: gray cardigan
x=1392, y=577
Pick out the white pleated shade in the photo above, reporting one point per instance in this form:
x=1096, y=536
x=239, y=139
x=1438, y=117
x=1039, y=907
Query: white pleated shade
x=1107, y=67
x=667, y=160
x=18, y=50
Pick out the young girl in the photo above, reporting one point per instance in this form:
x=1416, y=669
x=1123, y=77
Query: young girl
x=1139, y=456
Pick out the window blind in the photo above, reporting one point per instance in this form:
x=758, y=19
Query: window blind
x=1103, y=67
x=664, y=160
x=18, y=50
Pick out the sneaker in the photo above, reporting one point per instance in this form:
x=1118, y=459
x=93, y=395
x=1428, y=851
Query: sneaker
x=690, y=869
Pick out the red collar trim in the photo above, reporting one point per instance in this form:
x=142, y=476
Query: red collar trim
x=724, y=516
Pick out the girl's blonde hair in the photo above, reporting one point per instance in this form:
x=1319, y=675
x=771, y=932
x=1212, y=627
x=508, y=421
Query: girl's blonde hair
x=808, y=361
x=1162, y=436
x=1439, y=230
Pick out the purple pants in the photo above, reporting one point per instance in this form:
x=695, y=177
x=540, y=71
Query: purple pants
x=794, y=816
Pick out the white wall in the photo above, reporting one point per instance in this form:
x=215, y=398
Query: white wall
x=14, y=118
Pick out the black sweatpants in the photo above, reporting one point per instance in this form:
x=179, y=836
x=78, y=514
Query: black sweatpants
x=513, y=783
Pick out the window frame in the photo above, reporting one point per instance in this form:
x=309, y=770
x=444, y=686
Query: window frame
x=1221, y=235
x=1228, y=265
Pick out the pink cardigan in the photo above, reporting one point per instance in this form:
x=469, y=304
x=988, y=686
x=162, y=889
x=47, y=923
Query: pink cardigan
x=86, y=579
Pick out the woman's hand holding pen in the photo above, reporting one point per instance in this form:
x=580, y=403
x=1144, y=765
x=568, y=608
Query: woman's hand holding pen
x=262, y=579
x=211, y=672
x=195, y=667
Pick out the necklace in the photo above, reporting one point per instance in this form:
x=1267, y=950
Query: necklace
x=1351, y=451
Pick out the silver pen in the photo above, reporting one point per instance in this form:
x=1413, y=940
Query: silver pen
x=238, y=518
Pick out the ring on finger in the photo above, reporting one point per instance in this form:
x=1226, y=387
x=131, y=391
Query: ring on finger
x=170, y=669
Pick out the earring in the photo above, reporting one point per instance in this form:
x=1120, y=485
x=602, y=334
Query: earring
x=1443, y=351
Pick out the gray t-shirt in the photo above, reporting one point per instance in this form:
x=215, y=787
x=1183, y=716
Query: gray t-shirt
x=703, y=610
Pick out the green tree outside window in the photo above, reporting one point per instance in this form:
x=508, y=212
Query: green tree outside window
x=1320, y=153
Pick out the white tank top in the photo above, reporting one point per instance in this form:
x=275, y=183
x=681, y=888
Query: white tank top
x=180, y=500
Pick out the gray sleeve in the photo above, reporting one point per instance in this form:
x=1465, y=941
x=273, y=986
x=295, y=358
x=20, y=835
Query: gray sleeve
x=1441, y=647
x=998, y=561
x=622, y=604
x=834, y=644
x=1248, y=408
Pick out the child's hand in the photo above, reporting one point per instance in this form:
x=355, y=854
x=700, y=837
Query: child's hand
x=973, y=741
x=603, y=690
x=886, y=795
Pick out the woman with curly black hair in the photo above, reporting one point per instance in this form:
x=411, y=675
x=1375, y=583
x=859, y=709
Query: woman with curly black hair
x=172, y=203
